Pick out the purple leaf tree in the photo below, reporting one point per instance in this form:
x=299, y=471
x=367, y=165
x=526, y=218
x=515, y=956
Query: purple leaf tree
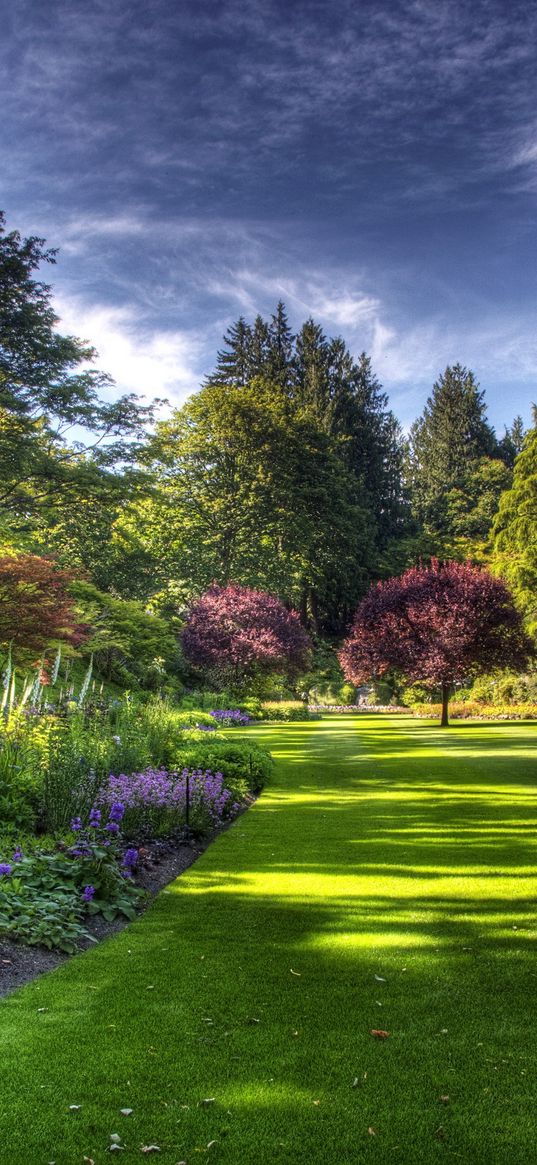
x=234, y=633
x=443, y=623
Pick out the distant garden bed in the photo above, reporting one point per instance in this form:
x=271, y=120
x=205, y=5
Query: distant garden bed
x=472, y=710
x=356, y=709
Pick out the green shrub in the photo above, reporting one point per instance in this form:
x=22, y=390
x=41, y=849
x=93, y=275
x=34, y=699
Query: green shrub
x=504, y=688
x=382, y=694
x=473, y=710
x=244, y=765
x=346, y=694
x=44, y=896
x=284, y=710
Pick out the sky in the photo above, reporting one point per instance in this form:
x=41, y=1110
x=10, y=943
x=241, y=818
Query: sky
x=371, y=163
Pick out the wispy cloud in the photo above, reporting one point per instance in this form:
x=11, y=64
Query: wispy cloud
x=146, y=361
x=371, y=164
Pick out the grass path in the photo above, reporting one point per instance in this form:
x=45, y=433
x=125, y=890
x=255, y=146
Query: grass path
x=383, y=881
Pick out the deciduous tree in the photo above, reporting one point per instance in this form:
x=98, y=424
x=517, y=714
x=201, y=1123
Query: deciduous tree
x=442, y=623
x=36, y=607
x=515, y=532
x=233, y=633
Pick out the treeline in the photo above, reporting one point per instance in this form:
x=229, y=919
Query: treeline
x=286, y=471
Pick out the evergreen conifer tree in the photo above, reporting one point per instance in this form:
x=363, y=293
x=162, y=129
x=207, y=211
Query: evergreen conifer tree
x=446, y=443
x=234, y=362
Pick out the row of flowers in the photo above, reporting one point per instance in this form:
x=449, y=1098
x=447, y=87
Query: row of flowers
x=44, y=897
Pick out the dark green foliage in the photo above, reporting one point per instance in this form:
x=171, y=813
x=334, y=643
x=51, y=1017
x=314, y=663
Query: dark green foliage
x=515, y=532
x=43, y=394
x=244, y=765
x=446, y=446
x=512, y=443
x=128, y=643
x=41, y=902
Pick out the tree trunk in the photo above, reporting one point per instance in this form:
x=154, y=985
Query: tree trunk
x=444, y=723
x=314, y=608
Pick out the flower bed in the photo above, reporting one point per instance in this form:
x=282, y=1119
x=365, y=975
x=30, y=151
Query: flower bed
x=155, y=801
x=356, y=709
x=231, y=717
x=471, y=710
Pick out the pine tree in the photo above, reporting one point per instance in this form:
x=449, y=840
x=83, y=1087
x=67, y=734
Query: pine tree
x=512, y=442
x=446, y=442
x=310, y=373
x=280, y=347
x=234, y=362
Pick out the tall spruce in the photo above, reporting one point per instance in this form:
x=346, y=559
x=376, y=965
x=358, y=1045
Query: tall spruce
x=446, y=443
x=280, y=348
x=234, y=361
x=512, y=442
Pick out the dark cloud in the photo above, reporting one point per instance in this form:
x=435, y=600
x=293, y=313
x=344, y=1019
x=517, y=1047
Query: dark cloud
x=191, y=157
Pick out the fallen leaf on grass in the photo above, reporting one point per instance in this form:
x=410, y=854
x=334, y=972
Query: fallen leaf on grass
x=126, y=1111
x=372, y=1132
x=444, y=1099
x=89, y=1160
x=380, y=979
x=208, y=1100
x=295, y=972
x=440, y=1133
x=149, y=1148
x=316, y=1102
x=211, y=1143
x=379, y=1034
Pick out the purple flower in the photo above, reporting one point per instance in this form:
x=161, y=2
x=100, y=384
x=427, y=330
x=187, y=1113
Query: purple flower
x=5, y=868
x=130, y=858
x=112, y=827
x=80, y=851
x=95, y=818
x=117, y=811
x=89, y=893
x=230, y=716
x=76, y=824
x=18, y=855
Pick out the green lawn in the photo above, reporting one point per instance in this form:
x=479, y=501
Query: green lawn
x=385, y=880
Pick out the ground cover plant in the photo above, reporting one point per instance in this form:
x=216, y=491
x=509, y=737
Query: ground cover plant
x=120, y=772
x=44, y=896
x=349, y=966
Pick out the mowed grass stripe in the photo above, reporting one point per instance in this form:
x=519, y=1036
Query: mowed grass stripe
x=384, y=880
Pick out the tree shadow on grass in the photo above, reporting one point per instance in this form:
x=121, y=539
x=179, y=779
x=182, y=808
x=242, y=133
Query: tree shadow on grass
x=392, y=897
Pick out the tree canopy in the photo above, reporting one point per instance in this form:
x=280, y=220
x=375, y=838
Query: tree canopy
x=286, y=473
x=233, y=633
x=47, y=390
x=515, y=532
x=443, y=623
